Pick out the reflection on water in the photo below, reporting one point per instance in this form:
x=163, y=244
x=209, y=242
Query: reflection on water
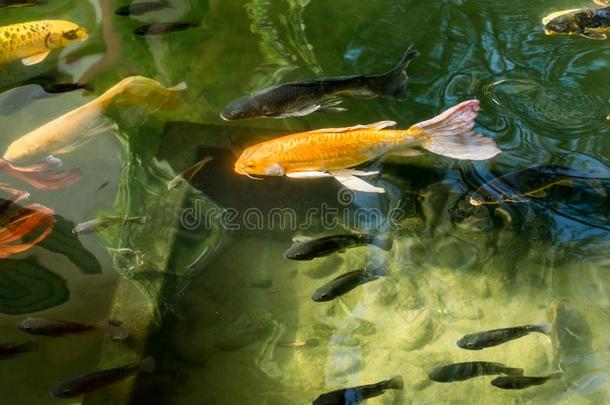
x=203, y=285
x=280, y=56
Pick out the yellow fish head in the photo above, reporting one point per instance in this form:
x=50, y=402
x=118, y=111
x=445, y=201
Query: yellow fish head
x=562, y=22
x=253, y=162
x=64, y=33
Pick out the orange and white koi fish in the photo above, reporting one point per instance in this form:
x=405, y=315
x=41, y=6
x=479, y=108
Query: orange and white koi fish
x=335, y=152
x=33, y=41
x=21, y=223
x=65, y=132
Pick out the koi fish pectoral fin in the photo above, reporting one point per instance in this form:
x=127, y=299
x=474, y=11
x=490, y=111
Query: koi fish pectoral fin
x=331, y=109
x=34, y=59
x=325, y=107
x=350, y=181
x=346, y=177
x=308, y=175
x=296, y=113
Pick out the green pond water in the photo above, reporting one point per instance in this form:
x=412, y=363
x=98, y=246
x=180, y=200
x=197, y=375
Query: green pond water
x=210, y=296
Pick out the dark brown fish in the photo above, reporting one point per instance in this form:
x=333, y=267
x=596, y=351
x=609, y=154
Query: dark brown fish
x=57, y=328
x=301, y=98
x=21, y=3
x=8, y=350
x=468, y=370
x=521, y=382
x=142, y=8
x=494, y=337
x=165, y=27
x=95, y=381
x=355, y=395
x=314, y=248
x=347, y=282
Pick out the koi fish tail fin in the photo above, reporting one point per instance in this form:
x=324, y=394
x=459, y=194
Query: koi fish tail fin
x=394, y=383
x=142, y=90
x=451, y=134
x=148, y=365
x=114, y=328
x=43, y=175
x=393, y=84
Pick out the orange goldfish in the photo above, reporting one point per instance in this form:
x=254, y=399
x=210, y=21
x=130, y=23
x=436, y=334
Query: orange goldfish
x=335, y=152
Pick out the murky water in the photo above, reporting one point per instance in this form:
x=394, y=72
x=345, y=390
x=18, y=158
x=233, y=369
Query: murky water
x=203, y=286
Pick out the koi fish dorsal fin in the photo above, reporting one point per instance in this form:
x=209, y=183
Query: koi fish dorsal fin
x=556, y=14
x=375, y=125
x=34, y=59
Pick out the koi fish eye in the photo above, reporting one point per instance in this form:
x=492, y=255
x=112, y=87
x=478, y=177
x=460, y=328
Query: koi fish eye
x=250, y=164
x=76, y=34
x=70, y=35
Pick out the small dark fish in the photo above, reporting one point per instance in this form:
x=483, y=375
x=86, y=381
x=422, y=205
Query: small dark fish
x=495, y=337
x=105, y=222
x=95, y=381
x=142, y=8
x=8, y=350
x=188, y=174
x=346, y=282
x=592, y=23
x=164, y=27
x=355, y=395
x=533, y=182
x=21, y=3
x=54, y=88
x=465, y=371
x=57, y=328
x=104, y=185
x=311, y=249
x=521, y=382
x=319, y=95
x=20, y=97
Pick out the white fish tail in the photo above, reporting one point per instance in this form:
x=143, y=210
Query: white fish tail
x=451, y=134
